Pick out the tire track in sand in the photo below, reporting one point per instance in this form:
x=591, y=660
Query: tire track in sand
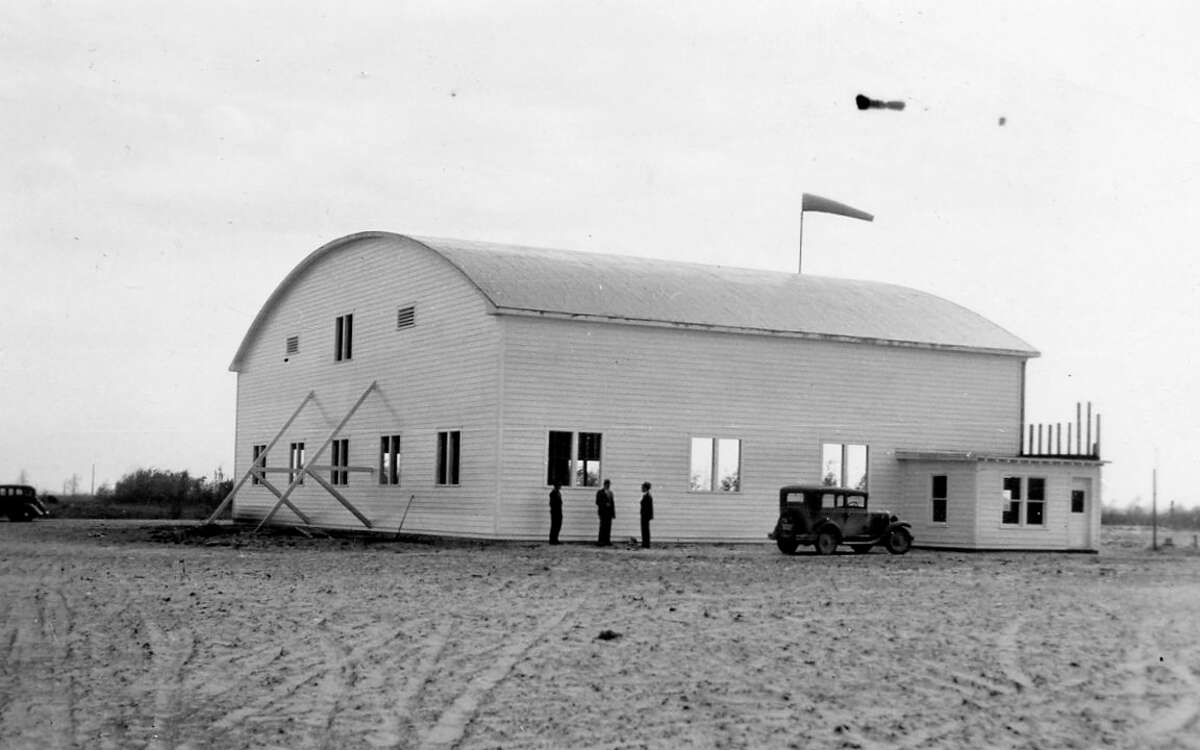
x=170, y=651
x=1007, y=651
x=453, y=722
x=37, y=694
x=1178, y=721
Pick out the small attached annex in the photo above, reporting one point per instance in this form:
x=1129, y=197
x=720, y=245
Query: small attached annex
x=440, y=386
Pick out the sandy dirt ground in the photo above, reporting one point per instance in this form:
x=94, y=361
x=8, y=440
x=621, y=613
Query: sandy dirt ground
x=122, y=635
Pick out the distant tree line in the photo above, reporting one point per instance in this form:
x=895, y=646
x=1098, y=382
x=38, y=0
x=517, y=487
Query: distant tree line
x=175, y=493
x=1135, y=514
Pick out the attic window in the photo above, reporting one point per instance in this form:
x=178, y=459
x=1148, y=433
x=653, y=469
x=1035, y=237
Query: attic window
x=343, y=332
x=293, y=345
x=406, y=317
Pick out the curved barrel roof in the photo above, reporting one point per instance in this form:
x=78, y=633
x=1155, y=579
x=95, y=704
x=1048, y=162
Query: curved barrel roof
x=618, y=288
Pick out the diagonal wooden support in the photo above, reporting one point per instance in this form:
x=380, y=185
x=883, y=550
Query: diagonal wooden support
x=313, y=458
x=262, y=458
x=275, y=491
x=338, y=496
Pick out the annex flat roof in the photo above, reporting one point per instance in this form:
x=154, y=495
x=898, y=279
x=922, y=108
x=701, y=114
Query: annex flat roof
x=517, y=280
x=972, y=457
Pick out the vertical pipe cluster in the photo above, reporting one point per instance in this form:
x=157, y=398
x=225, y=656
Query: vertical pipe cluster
x=1046, y=440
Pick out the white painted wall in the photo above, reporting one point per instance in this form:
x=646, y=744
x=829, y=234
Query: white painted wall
x=649, y=390
x=962, y=512
x=440, y=374
x=506, y=381
x=1053, y=533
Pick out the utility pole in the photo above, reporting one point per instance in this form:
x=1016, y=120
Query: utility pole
x=1154, y=509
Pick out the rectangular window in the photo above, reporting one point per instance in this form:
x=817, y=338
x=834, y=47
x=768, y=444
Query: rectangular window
x=343, y=334
x=1077, y=501
x=341, y=459
x=260, y=451
x=845, y=465
x=389, y=459
x=587, y=464
x=295, y=462
x=406, y=317
x=448, y=448
x=292, y=346
x=1035, y=505
x=573, y=459
x=716, y=465
x=938, y=494
x=558, y=458
x=1012, y=501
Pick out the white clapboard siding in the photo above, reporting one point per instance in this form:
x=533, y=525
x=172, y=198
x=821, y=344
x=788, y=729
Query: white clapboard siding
x=649, y=390
x=505, y=376
x=958, y=530
x=1052, y=534
x=439, y=374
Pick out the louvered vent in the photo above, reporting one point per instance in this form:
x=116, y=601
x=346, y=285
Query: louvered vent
x=406, y=317
x=293, y=344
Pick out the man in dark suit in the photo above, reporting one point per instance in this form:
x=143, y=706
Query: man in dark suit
x=606, y=508
x=647, y=514
x=555, y=513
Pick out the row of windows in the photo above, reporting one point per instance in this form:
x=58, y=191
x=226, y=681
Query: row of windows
x=1031, y=508
x=343, y=334
x=573, y=460
x=449, y=445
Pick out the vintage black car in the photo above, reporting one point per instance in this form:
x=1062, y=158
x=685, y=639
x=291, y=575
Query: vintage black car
x=20, y=503
x=828, y=516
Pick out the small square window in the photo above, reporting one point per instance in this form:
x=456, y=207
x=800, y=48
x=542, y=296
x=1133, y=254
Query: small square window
x=1078, y=499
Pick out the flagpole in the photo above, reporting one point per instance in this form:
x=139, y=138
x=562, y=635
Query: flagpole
x=800, y=254
x=810, y=202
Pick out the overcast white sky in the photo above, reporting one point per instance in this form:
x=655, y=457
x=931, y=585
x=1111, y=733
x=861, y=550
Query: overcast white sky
x=166, y=164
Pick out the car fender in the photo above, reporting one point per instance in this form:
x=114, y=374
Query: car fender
x=826, y=524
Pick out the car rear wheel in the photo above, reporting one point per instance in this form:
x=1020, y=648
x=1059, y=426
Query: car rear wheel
x=898, y=541
x=826, y=543
x=787, y=545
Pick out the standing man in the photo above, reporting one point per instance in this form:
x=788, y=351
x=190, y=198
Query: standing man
x=647, y=514
x=607, y=510
x=555, y=513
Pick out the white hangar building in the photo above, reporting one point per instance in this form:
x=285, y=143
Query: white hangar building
x=440, y=386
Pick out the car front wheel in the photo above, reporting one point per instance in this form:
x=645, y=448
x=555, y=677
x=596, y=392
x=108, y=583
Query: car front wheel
x=898, y=541
x=827, y=542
